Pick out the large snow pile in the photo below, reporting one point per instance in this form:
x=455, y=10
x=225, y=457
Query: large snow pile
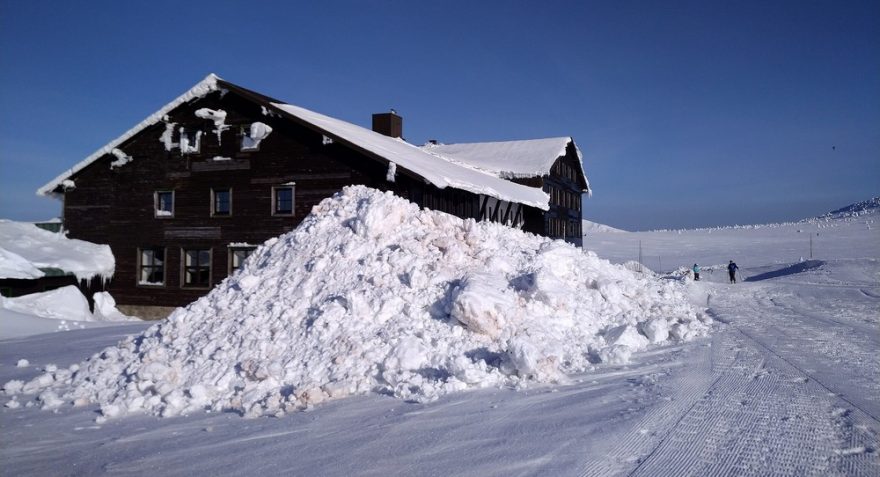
x=371, y=294
x=23, y=243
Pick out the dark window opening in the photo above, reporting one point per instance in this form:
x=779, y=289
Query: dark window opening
x=282, y=200
x=197, y=268
x=152, y=266
x=221, y=202
x=164, y=204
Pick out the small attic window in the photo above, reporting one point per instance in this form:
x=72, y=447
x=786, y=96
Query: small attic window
x=163, y=201
x=190, y=141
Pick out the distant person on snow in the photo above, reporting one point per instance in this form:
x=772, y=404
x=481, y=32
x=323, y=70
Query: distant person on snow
x=731, y=270
x=696, y=272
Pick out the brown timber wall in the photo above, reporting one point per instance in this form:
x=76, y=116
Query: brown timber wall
x=115, y=206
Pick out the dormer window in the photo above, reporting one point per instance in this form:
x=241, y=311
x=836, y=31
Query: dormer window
x=190, y=141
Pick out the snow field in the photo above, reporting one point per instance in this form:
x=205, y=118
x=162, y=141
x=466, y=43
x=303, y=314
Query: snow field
x=372, y=294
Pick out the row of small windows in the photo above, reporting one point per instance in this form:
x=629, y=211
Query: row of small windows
x=195, y=265
x=562, y=228
x=191, y=140
x=221, y=202
x=565, y=198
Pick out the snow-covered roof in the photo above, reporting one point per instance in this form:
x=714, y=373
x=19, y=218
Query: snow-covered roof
x=438, y=170
x=202, y=88
x=26, y=248
x=509, y=159
x=435, y=169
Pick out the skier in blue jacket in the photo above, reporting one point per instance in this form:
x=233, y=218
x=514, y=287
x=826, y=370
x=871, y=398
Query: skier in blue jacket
x=696, y=272
x=731, y=270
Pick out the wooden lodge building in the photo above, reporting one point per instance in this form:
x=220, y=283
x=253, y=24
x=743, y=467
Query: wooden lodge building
x=183, y=197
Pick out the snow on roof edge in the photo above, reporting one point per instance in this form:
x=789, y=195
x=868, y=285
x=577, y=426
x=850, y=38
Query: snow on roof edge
x=342, y=130
x=540, y=168
x=201, y=88
x=581, y=163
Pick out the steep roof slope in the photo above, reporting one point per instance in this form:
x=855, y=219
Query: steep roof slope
x=201, y=89
x=434, y=169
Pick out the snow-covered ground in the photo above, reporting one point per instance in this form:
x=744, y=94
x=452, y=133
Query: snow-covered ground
x=786, y=383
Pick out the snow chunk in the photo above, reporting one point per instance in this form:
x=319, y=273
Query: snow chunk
x=105, y=308
x=258, y=132
x=392, y=172
x=372, y=294
x=188, y=145
x=121, y=158
x=22, y=363
x=167, y=137
x=219, y=118
x=65, y=303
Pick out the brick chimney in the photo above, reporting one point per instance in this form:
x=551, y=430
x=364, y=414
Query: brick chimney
x=389, y=124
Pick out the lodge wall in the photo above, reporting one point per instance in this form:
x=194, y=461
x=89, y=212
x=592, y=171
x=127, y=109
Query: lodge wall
x=115, y=205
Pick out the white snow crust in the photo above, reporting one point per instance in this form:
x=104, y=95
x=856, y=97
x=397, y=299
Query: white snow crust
x=121, y=159
x=433, y=168
x=258, y=132
x=219, y=118
x=43, y=249
x=507, y=159
x=65, y=303
x=372, y=295
x=201, y=89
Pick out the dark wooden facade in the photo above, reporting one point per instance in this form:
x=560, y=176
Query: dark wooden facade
x=117, y=205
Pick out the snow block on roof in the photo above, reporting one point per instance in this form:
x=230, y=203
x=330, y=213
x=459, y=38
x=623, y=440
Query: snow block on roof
x=43, y=249
x=372, y=294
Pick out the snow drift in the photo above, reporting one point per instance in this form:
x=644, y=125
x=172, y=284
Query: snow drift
x=371, y=294
x=26, y=248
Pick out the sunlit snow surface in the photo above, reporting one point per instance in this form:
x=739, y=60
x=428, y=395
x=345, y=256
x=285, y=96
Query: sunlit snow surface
x=787, y=384
x=372, y=295
x=25, y=248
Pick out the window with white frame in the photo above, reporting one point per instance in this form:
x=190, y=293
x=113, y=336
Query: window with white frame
x=163, y=203
x=151, y=266
x=282, y=199
x=221, y=202
x=237, y=255
x=196, y=268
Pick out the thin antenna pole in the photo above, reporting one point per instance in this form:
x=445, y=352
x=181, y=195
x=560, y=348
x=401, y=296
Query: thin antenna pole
x=640, y=256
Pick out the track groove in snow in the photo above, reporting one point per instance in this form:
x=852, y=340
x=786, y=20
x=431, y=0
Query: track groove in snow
x=758, y=419
x=677, y=397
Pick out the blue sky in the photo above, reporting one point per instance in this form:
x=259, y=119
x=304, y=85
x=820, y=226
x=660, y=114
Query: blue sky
x=688, y=113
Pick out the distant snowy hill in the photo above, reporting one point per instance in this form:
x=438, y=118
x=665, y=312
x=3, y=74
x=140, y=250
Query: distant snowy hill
x=865, y=207
x=591, y=227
